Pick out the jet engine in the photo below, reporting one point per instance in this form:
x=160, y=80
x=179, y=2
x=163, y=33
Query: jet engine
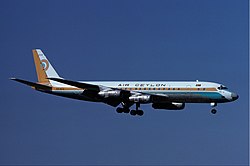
x=111, y=93
x=140, y=99
x=114, y=93
x=169, y=106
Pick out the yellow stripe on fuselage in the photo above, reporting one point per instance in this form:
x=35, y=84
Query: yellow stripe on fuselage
x=172, y=89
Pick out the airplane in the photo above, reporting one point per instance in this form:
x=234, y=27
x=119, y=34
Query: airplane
x=163, y=95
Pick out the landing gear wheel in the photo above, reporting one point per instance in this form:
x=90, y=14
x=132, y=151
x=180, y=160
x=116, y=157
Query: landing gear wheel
x=126, y=110
x=213, y=111
x=140, y=112
x=119, y=110
x=133, y=112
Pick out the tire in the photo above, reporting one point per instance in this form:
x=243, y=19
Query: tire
x=133, y=112
x=126, y=110
x=213, y=111
x=140, y=112
x=119, y=110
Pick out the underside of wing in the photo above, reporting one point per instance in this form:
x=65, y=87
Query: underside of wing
x=92, y=91
x=112, y=101
x=158, y=98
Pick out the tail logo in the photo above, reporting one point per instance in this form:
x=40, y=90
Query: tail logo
x=45, y=64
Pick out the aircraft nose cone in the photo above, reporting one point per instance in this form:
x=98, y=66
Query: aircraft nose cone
x=234, y=96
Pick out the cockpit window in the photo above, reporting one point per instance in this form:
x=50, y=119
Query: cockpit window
x=222, y=87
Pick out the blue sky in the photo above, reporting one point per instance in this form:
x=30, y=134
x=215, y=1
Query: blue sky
x=123, y=40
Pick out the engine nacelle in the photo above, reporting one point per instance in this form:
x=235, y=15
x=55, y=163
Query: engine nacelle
x=140, y=99
x=169, y=106
x=113, y=93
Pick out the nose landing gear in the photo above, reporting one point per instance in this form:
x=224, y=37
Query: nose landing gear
x=213, y=111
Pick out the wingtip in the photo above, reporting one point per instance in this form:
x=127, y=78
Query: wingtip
x=12, y=78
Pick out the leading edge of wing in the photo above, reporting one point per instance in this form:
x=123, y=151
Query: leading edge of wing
x=77, y=84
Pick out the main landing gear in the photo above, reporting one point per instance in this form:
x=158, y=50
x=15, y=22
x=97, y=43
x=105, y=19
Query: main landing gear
x=132, y=112
x=137, y=111
x=122, y=110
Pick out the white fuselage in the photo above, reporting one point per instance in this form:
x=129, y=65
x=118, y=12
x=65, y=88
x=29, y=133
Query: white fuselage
x=181, y=91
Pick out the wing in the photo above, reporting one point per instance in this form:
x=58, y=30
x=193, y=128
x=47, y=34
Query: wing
x=113, y=100
x=91, y=89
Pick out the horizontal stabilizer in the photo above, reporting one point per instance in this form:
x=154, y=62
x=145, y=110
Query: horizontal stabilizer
x=77, y=84
x=32, y=84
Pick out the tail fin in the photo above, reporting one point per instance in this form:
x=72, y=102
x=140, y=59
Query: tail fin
x=44, y=69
